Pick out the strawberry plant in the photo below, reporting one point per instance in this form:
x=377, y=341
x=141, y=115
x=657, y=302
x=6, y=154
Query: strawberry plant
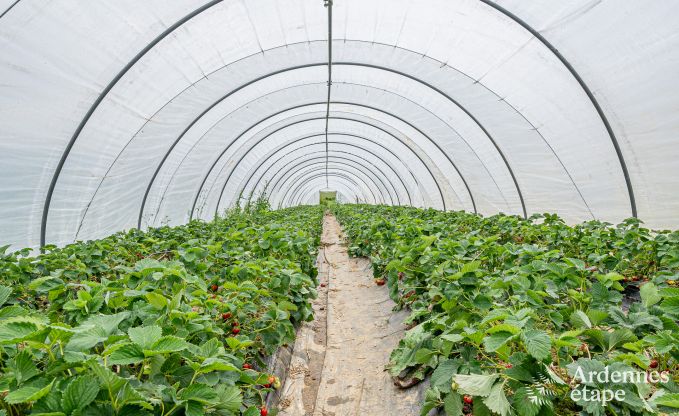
x=172, y=321
x=509, y=316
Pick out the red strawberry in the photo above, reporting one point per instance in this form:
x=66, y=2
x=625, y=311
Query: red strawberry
x=214, y=287
x=323, y=284
x=264, y=411
x=235, y=331
x=247, y=366
x=226, y=316
x=380, y=282
x=508, y=365
x=468, y=399
x=653, y=364
x=234, y=323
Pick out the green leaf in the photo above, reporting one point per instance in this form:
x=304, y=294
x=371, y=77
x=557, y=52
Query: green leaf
x=145, y=336
x=230, y=397
x=167, y=344
x=23, y=366
x=649, y=295
x=668, y=400
x=4, y=294
x=27, y=394
x=442, y=376
x=495, y=341
x=671, y=305
x=200, y=393
x=193, y=409
x=452, y=404
x=14, y=332
x=497, y=401
x=156, y=300
x=79, y=393
x=127, y=354
x=87, y=338
x=580, y=320
x=216, y=364
x=528, y=401
x=537, y=342
x=475, y=384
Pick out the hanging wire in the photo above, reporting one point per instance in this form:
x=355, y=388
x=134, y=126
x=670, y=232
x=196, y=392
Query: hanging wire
x=328, y=5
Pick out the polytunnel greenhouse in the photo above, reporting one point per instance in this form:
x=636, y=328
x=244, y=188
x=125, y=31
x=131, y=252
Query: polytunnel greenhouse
x=339, y=207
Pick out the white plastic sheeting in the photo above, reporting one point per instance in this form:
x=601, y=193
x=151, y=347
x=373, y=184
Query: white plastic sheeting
x=121, y=114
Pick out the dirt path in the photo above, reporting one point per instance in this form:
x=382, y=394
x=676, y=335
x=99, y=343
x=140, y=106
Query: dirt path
x=337, y=368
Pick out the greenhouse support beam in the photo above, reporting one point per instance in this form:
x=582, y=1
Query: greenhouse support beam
x=363, y=149
x=305, y=180
x=320, y=166
x=585, y=88
x=438, y=186
x=225, y=150
x=95, y=105
x=298, y=167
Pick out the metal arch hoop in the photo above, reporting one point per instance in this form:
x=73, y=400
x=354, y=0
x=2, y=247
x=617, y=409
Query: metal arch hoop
x=313, y=161
x=438, y=186
x=345, y=144
x=585, y=88
x=311, y=119
x=100, y=98
x=302, y=172
x=321, y=175
x=333, y=153
x=169, y=30
x=317, y=176
x=410, y=200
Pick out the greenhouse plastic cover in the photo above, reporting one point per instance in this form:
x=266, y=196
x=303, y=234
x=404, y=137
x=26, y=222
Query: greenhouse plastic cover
x=127, y=113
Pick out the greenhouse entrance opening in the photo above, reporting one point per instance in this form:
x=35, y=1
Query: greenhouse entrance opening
x=328, y=196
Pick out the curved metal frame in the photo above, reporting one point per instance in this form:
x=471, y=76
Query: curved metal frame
x=307, y=179
x=331, y=154
x=208, y=5
x=406, y=188
x=9, y=8
x=318, y=176
x=314, y=166
x=312, y=119
x=585, y=88
x=314, y=161
x=100, y=98
x=322, y=175
x=254, y=188
x=336, y=118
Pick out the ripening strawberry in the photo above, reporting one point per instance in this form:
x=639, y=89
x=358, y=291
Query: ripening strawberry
x=234, y=323
x=468, y=399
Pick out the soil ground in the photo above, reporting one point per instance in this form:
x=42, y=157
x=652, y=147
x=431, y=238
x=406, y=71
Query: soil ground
x=337, y=367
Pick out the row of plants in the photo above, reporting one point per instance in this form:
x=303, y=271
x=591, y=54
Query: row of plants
x=528, y=317
x=171, y=321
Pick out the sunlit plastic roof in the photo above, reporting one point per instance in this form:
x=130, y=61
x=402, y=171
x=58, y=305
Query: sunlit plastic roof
x=127, y=113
